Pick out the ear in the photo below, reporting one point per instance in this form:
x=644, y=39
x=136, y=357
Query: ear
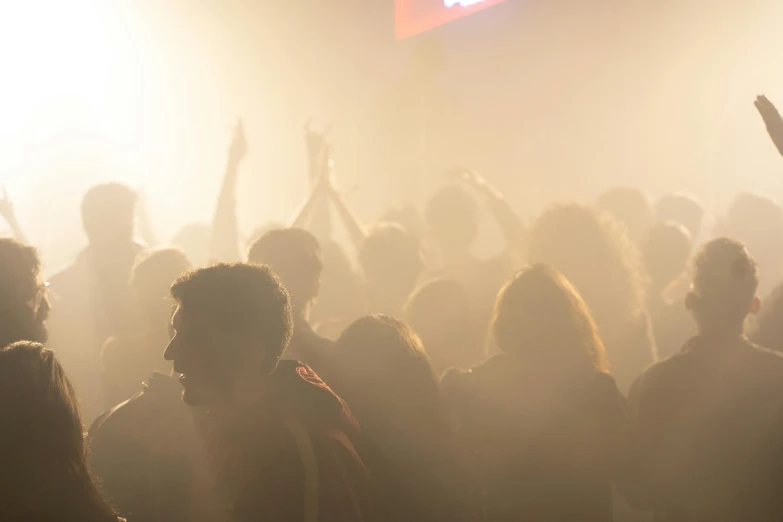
x=690, y=300
x=755, y=306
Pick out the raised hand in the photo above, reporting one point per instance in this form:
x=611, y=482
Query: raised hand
x=238, y=148
x=772, y=120
x=315, y=142
x=472, y=178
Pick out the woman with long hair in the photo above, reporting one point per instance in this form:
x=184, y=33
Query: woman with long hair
x=542, y=424
x=386, y=378
x=43, y=475
x=593, y=251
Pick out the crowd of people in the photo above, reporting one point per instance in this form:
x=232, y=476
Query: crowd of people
x=615, y=362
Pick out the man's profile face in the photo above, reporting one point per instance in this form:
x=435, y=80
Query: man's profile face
x=193, y=356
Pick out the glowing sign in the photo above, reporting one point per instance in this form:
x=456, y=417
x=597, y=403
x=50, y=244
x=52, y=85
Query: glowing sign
x=416, y=16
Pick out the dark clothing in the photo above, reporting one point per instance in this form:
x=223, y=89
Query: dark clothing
x=290, y=452
x=672, y=325
x=707, y=429
x=91, y=301
x=148, y=459
x=539, y=450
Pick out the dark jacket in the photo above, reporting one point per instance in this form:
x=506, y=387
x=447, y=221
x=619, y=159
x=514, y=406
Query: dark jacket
x=707, y=432
x=291, y=452
x=146, y=454
x=539, y=451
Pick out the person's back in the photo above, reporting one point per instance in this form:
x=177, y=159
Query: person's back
x=708, y=418
x=543, y=425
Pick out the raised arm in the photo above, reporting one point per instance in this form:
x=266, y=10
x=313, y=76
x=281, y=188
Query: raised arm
x=7, y=212
x=224, y=241
x=504, y=215
x=354, y=226
x=772, y=120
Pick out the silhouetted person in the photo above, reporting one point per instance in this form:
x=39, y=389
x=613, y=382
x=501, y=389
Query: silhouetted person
x=391, y=264
x=768, y=330
x=666, y=249
x=92, y=298
x=43, y=476
x=452, y=216
x=341, y=296
x=757, y=221
x=149, y=458
x=129, y=360
x=278, y=437
x=24, y=305
x=442, y=315
x=684, y=209
x=630, y=207
x=707, y=419
x=595, y=254
x=295, y=256
x=542, y=424
x=384, y=375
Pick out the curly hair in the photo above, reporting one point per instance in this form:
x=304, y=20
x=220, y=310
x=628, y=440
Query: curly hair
x=593, y=252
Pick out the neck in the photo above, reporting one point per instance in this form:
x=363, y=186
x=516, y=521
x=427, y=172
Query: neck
x=723, y=331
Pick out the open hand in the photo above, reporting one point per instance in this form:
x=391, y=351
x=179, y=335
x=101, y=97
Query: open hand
x=772, y=120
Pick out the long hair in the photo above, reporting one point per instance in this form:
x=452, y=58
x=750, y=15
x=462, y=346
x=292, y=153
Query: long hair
x=44, y=473
x=540, y=317
x=594, y=253
x=387, y=380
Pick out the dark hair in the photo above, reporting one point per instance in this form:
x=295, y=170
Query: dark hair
x=392, y=255
x=107, y=208
x=44, y=470
x=725, y=280
x=295, y=256
x=441, y=313
x=154, y=272
x=595, y=254
x=239, y=301
x=540, y=316
x=386, y=377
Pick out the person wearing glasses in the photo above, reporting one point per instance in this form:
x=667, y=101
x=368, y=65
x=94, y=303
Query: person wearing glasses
x=24, y=303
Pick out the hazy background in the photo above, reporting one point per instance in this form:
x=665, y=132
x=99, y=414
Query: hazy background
x=550, y=99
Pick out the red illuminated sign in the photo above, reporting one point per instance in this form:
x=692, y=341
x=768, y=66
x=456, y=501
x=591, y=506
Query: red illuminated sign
x=416, y=16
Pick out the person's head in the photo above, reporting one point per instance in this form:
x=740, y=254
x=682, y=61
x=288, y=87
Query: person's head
x=391, y=263
x=757, y=221
x=725, y=280
x=295, y=256
x=630, y=207
x=24, y=304
x=385, y=375
x=341, y=292
x=152, y=276
x=42, y=448
x=666, y=249
x=232, y=324
x=452, y=217
x=541, y=319
x=193, y=239
x=408, y=216
x=681, y=208
x=441, y=313
x=595, y=254
x=108, y=214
